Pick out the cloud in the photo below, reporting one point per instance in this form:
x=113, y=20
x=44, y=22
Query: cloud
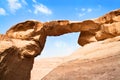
x=60, y=44
x=89, y=10
x=2, y=11
x=14, y=5
x=40, y=8
x=83, y=11
x=24, y=2
x=34, y=1
x=63, y=47
x=81, y=14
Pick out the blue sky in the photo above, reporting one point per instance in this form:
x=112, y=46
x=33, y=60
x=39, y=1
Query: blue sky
x=14, y=11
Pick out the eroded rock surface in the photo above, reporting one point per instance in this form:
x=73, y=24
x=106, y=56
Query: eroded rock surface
x=25, y=40
x=95, y=61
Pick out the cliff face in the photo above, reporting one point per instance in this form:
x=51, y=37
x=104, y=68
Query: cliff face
x=25, y=40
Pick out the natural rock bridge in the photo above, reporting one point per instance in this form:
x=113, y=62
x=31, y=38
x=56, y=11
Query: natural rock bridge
x=26, y=40
x=34, y=33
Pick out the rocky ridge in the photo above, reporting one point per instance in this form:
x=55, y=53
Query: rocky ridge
x=25, y=40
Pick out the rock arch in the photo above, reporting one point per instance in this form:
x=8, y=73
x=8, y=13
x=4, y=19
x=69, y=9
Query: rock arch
x=26, y=40
x=37, y=32
x=91, y=31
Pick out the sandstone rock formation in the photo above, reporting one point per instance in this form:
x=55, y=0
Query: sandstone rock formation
x=25, y=40
x=95, y=61
x=12, y=65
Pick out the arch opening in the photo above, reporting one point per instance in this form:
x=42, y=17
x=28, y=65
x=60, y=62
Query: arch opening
x=60, y=45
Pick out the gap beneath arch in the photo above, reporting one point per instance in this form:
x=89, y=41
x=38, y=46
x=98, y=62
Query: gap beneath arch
x=58, y=46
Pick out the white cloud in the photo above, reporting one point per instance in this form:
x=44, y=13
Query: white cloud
x=63, y=47
x=89, y=10
x=81, y=14
x=34, y=1
x=24, y=2
x=60, y=44
x=42, y=9
x=2, y=11
x=86, y=10
x=14, y=5
x=83, y=9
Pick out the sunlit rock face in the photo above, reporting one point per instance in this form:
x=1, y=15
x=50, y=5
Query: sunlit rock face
x=99, y=37
x=106, y=26
x=13, y=66
x=95, y=61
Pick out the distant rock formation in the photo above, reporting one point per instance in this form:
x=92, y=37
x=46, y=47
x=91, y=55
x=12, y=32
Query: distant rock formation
x=25, y=40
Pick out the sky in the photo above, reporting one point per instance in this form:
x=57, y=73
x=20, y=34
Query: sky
x=15, y=11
